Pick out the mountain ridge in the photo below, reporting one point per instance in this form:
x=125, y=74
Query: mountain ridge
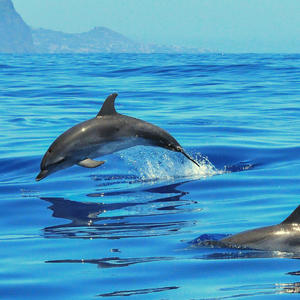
x=98, y=40
x=17, y=37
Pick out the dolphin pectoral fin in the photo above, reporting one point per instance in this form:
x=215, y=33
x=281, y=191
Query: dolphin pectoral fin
x=89, y=163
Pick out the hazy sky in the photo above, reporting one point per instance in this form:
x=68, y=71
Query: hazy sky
x=224, y=25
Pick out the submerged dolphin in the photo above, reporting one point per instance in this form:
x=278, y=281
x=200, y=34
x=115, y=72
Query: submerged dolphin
x=284, y=237
x=107, y=133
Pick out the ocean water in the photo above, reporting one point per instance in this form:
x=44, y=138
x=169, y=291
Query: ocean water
x=126, y=229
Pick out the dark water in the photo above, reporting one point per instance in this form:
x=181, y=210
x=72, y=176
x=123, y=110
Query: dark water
x=125, y=228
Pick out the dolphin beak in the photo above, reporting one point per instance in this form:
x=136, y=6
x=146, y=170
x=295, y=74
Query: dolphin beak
x=42, y=175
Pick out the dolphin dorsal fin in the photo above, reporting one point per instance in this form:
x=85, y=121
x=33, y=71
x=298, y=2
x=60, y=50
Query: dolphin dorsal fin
x=108, y=107
x=294, y=217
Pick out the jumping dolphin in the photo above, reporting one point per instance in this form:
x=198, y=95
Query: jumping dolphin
x=284, y=237
x=104, y=134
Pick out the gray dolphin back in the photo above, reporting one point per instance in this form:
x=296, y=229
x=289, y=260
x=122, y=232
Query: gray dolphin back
x=104, y=134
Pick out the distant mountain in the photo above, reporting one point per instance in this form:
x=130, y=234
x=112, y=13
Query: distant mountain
x=99, y=39
x=17, y=37
x=15, y=34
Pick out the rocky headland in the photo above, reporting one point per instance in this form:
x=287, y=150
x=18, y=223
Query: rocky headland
x=15, y=34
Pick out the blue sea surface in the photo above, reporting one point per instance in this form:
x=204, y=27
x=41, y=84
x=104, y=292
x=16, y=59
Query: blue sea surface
x=126, y=228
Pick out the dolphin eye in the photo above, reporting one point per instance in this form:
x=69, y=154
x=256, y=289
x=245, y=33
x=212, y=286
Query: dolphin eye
x=49, y=151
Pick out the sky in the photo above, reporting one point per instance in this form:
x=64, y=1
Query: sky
x=229, y=26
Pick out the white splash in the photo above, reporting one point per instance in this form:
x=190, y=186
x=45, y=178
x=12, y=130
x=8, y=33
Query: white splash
x=151, y=163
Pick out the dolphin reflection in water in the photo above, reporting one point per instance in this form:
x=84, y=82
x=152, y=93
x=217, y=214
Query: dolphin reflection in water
x=104, y=134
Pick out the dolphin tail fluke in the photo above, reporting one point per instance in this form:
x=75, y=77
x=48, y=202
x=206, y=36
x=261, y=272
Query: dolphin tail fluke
x=188, y=157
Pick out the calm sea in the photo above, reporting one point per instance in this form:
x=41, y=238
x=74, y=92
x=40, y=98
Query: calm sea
x=125, y=228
